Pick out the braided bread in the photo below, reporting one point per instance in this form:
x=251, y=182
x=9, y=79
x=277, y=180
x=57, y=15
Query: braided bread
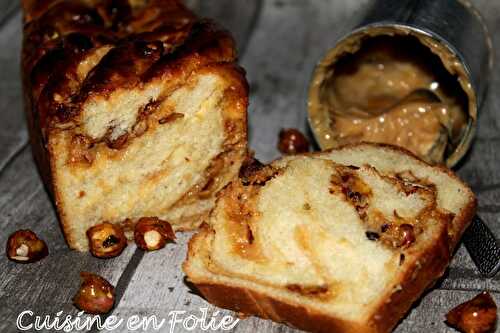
x=135, y=109
x=338, y=241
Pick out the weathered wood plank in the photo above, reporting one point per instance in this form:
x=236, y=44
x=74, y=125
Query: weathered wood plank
x=26, y=205
x=430, y=313
x=237, y=16
x=291, y=36
x=279, y=57
x=157, y=287
x=489, y=120
x=45, y=287
x=278, y=74
x=463, y=275
x=279, y=60
x=428, y=316
x=479, y=170
x=7, y=8
x=13, y=135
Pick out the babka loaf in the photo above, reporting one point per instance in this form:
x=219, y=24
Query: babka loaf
x=135, y=108
x=338, y=241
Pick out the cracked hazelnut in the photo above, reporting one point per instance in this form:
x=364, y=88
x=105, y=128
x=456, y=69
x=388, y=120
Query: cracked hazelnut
x=249, y=168
x=81, y=150
x=292, y=141
x=106, y=240
x=407, y=234
x=24, y=246
x=398, y=236
x=140, y=128
x=118, y=142
x=151, y=233
x=96, y=295
x=479, y=315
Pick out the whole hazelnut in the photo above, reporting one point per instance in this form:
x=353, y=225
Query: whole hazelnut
x=24, y=246
x=106, y=240
x=96, y=295
x=151, y=233
x=292, y=141
x=479, y=315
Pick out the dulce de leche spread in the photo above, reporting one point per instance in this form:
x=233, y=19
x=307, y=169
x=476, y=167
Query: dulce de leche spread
x=393, y=90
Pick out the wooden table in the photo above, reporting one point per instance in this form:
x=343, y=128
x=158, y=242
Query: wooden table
x=280, y=41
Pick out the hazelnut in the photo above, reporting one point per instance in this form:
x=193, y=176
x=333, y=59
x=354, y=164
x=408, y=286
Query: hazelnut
x=170, y=118
x=150, y=49
x=24, y=246
x=479, y=315
x=151, y=233
x=292, y=141
x=117, y=143
x=249, y=168
x=140, y=128
x=106, y=240
x=398, y=236
x=77, y=42
x=407, y=235
x=81, y=150
x=96, y=295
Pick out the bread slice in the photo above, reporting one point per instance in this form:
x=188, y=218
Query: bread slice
x=134, y=111
x=338, y=241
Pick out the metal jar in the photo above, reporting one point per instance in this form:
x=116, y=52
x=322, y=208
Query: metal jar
x=453, y=30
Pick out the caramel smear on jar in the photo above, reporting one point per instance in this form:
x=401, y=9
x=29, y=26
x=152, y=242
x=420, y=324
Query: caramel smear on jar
x=394, y=90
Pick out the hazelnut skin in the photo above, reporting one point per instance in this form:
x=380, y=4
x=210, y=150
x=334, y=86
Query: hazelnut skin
x=96, y=295
x=407, y=234
x=248, y=168
x=152, y=234
x=24, y=246
x=398, y=236
x=292, y=141
x=479, y=315
x=106, y=240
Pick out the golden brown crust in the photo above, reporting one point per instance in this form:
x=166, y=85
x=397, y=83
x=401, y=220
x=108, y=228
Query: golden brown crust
x=422, y=275
x=57, y=94
x=423, y=270
x=76, y=50
x=251, y=302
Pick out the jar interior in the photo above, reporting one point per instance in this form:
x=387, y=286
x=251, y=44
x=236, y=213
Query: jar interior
x=393, y=89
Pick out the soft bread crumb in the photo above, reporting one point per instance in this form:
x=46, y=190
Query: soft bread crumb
x=154, y=171
x=306, y=258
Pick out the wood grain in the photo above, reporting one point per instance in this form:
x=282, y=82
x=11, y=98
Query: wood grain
x=278, y=74
x=280, y=42
x=48, y=286
x=13, y=135
x=7, y=8
x=290, y=37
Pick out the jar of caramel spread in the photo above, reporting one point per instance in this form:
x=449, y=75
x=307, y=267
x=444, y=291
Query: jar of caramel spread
x=397, y=83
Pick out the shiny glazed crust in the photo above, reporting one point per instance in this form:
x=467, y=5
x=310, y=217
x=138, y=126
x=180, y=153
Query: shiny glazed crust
x=82, y=52
x=421, y=271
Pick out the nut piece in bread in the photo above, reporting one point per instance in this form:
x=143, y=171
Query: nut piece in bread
x=135, y=109
x=338, y=241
